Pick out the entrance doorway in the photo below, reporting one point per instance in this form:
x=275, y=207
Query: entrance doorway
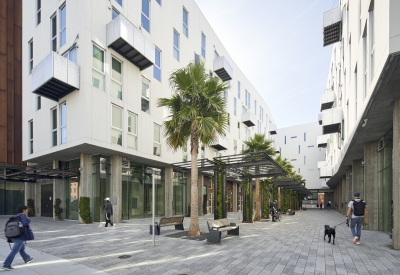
x=47, y=200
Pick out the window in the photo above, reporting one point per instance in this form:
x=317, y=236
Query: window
x=119, y=2
x=63, y=122
x=157, y=140
x=159, y=2
x=132, y=130
x=247, y=99
x=310, y=146
x=304, y=159
x=238, y=124
x=63, y=25
x=203, y=45
x=98, y=68
x=255, y=107
x=116, y=78
x=216, y=55
x=114, y=14
x=146, y=15
x=285, y=139
x=54, y=33
x=234, y=106
x=293, y=137
x=71, y=55
x=38, y=12
x=259, y=127
x=176, y=45
x=234, y=146
x=185, y=22
x=244, y=110
x=299, y=149
x=38, y=102
x=157, y=65
x=30, y=43
x=30, y=125
x=305, y=137
x=239, y=89
x=365, y=63
x=372, y=41
x=145, y=95
x=261, y=113
x=116, y=125
x=247, y=133
x=355, y=90
x=229, y=123
x=54, y=127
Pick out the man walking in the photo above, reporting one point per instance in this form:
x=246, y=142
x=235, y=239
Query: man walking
x=108, y=211
x=272, y=207
x=19, y=245
x=358, y=210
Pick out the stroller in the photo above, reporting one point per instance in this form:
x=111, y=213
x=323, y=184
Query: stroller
x=278, y=214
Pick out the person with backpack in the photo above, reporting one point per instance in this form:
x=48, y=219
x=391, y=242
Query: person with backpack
x=358, y=210
x=15, y=231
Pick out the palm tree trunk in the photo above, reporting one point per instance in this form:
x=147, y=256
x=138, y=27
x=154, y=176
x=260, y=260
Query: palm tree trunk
x=194, y=229
x=258, y=208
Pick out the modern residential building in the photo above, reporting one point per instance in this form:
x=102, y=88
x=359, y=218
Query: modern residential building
x=11, y=191
x=361, y=110
x=97, y=68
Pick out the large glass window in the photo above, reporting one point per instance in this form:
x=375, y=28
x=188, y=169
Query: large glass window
x=63, y=122
x=239, y=89
x=38, y=12
x=247, y=99
x=132, y=130
x=116, y=125
x=203, y=45
x=119, y=2
x=63, y=25
x=54, y=127
x=145, y=95
x=255, y=107
x=114, y=13
x=38, y=102
x=179, y=201
x=30, y=126
x=71, y=55
x=234, y=106
x=98, y=68
x=30, y=44
x=185, y=22
x=146, y=15
x=116, y=78
x=157, y=65
x=157, y=140
x=176, y=45
x=53, y=22
x=11, y=195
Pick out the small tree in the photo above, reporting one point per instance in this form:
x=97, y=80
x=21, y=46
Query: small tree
x=57, y=209
x=84, y=209
x=31, y=207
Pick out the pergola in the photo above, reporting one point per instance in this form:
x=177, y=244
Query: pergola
x=292, y=184
x=31, y=174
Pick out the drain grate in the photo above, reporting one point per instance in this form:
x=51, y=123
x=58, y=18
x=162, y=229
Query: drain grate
x=124, y=256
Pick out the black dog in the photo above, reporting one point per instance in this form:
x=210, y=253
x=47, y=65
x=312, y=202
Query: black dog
x=330, y=232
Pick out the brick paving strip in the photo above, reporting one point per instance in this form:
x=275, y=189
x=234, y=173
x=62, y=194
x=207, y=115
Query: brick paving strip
x=292, y=246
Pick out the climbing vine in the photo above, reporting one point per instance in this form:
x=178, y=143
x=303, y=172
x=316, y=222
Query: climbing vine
x=218, y=209
x=247, y=211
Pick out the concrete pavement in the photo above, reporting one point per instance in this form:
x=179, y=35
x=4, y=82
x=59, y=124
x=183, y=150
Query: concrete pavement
x=292, y=246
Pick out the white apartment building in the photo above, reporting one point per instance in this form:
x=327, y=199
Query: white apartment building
x=92, y=74
x=361, y=110
x=298, y=144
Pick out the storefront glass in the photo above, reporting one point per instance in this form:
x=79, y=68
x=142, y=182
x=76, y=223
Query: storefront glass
x=179, y=203
x=11, y=195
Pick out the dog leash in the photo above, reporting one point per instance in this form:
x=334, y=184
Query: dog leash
x=347, y=222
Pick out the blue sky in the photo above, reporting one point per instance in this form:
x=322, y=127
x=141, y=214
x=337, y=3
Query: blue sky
x=278, y=46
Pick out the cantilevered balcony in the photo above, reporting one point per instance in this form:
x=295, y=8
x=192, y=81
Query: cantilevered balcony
x=320, y=118
x=322, y=141
x=332, y=26
x=325, y=172
x=128, y=41
x=223, y=69
x=327, y=99
x=331, y=120
x=321, y=164
x=272, y=129
x=248, y=119
x=55, y=77
x=221, y=143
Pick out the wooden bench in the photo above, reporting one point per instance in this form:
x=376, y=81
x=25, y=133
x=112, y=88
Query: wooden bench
x=216, y=227
x=167, y=221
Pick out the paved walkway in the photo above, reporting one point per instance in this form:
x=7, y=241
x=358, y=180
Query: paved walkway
x=292, y=246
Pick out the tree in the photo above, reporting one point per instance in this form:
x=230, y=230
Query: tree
x=258, y=143
x=197, y=111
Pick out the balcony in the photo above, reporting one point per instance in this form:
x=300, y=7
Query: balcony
x=331, y=120
x=322, y=141
x=327, y=99
x=321, y=164
x=325, y=172
x=272, y=129
x=320, y=118
x=128, y=41
x=55, y=77
x=221, y=143
x=249, y=119
x=223, y=69
x=332, y=26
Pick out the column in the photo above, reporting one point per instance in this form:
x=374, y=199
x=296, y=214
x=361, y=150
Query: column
x=358, y=177
x=116, y=189
x=58, y=189
x=30, y=193
x=169, y=191
x=371, y=190
x=344, y=195
x=235, y=195
x=85, y=182
x=396, y=174
x=349, y=185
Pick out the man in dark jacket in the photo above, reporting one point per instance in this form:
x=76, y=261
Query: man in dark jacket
x=19, y=245
x=272, y=207
x=108, y=211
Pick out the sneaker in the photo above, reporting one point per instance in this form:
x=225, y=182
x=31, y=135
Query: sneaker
x=7, y=267
x=29, y=260
x=355, y=240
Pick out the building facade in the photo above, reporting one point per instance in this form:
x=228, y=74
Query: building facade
x=97, y=69
x=361, y=110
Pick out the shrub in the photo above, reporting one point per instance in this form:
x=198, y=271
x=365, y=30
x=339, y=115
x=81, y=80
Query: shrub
x=57, y=209
x=31, y=207
x=84, y=209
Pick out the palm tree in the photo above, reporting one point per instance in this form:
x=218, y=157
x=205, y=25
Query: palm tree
x=197, y=111
x=255, y=144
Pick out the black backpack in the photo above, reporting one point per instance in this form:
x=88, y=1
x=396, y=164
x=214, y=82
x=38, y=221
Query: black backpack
x=358, y=207
x=14, y=227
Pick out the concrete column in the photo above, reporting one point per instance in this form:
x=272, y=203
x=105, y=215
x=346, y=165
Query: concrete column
x=85, y=182
x=235, y=195
x=29, y=192
x=38, y=198
x=58, y=189
x=344, y=195
x=169, y=191
x=396, y=174
x=371, y=190
x=339, y=197
x=116, y=190
x=349, y=185
x=358, y=177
